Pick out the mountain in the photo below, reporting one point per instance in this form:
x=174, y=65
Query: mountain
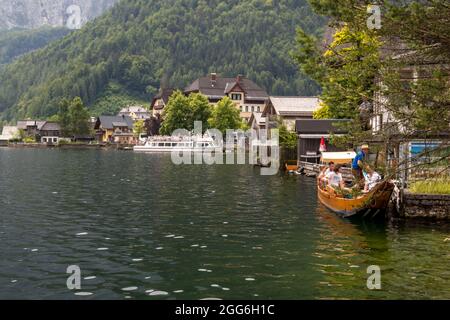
x=36, y=13
x=139, y=46
x=16, y=42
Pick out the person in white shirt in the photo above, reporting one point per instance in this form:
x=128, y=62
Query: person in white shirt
x=335, y=179
x=324, y=175
x=372, y=179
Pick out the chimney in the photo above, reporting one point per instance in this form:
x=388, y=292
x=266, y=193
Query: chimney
x=213, y=79
x=239, y=78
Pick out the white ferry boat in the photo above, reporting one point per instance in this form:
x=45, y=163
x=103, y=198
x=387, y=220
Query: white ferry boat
x=177, y=144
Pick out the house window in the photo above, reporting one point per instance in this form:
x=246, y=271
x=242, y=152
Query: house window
x=240, y=108
x=236, y=96
x=253, y=109
x=246, y=108
x=259, y=109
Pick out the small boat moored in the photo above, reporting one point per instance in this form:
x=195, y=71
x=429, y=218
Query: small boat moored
x=367, y=205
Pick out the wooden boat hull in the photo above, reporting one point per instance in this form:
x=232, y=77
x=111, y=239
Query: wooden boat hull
x=369, y=205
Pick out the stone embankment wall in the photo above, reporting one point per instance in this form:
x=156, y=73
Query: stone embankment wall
x=425, y=206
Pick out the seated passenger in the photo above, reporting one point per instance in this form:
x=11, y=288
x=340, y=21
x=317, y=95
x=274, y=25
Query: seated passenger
x=335, y=179
x=324, y=175
x=372, y=179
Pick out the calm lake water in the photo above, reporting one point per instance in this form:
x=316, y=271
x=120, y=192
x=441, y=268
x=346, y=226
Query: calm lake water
x=135, y=223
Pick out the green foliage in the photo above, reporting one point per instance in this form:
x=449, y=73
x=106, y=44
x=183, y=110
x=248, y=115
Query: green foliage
x=225, y=116
x=405, y=62
x=138, y=128
x=29, y=140
x=112, y=99
x=346, y=70
x=17, y=42
x=288, y=139
x=74, y=117
x=434, y=186
x=181, y=112
x=143, y=45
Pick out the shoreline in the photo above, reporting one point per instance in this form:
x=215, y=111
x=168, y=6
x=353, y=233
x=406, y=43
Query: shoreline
x=66, y=146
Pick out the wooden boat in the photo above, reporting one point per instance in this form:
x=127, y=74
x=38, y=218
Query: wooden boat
x=369, y=205
x=291, y=165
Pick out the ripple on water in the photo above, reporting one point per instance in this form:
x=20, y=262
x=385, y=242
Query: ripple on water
x=130, y=289
x=83, y=294
x=158, y=293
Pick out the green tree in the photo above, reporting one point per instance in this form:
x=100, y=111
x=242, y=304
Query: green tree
x=181, y=112
x=73, y=117
x=201, y=110
x=64, y=118
x=139, y=128
x=346, y=69
x=225, y=116
x=288, y=139
x=79, y=118
x=177, y=114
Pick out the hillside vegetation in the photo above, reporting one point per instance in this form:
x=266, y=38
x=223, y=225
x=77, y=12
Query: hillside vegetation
x=17, y=42
x=141, y=45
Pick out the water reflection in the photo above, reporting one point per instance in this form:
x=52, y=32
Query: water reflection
x=142, y=228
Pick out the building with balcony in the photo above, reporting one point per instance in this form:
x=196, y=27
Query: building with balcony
x=246, y=95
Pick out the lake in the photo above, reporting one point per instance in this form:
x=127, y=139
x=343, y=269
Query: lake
x=140, y=227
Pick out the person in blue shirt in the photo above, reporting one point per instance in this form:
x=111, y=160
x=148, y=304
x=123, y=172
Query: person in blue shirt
x=358, y=162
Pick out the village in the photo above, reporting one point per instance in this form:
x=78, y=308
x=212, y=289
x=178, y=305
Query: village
x=258, y=111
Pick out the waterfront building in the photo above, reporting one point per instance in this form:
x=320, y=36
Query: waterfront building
x=310, y=133
x=160, y=101
x=113, y=129
x=246, y=95
x=31, y=128
x=8, y=133
x=290, y=109
x=43, y=131
x=50, y=133
x=136, y=113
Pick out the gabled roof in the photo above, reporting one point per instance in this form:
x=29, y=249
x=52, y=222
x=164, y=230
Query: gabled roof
x=9, y=132
x=23, y=124
x=294, y=106
x=320, y=126
x=107, y=122
x=51, y=126
x=218, y=87
x=164, y=95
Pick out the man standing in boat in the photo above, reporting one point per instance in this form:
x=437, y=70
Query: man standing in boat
x=358, y=163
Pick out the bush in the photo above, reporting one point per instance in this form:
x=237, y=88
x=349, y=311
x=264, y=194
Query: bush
x=437, y=186
x=29, y=140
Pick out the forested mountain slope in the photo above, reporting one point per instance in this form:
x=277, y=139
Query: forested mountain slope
x=16, y=42
x=141, y=45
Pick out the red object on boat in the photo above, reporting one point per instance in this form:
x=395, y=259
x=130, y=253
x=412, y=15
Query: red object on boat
x=323, y=146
